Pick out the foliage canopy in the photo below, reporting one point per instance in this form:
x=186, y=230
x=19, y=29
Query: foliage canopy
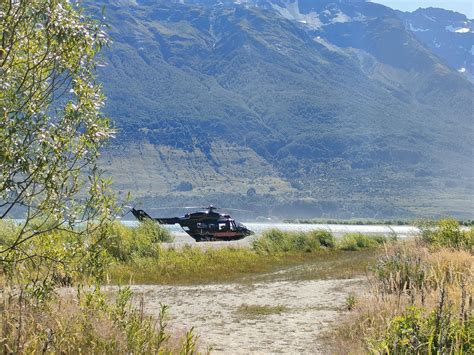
x=51, y=127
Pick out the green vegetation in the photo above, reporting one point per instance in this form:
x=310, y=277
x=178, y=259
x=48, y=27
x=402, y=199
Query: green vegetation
x=51, y=126
x=276, y=241
x=256, y=311
x=356, y=241
x=448, y=234
x=273, y=250
x=125, y=243
x=357, y=222
x=51, y=132
x=90, y=322
x=420, y=298
x=358, y=147
x=192, y=265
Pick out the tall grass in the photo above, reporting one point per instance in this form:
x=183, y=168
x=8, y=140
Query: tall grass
x=356, y=241
x=191, y=265
x=273, y=249
x=420, y=299
x=276, y=241
x=89, y=322
x=126, y=243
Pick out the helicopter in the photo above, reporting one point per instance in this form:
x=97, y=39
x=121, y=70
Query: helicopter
x=205, y=225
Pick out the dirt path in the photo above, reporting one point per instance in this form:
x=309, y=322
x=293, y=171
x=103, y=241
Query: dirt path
x=254, y=317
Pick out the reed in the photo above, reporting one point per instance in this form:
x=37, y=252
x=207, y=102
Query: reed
x=419, y=300
x=88, y=322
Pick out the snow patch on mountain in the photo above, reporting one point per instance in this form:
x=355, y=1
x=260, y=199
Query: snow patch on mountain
x=340, y=17
x=416, y=29
x=292, y=12
x=450, y=28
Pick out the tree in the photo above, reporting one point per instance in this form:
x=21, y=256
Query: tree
x=51, y=128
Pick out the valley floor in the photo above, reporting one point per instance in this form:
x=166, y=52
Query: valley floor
x=291, y=310
x=270, y=317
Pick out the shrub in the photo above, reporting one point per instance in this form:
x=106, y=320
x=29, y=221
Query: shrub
x=356, y=241
x=275, y=241
x=447, y=233
x=414, y=332
x=91, y=323
x=8, y=232
x=125, y=243
x=326, y=239
x=421, y=304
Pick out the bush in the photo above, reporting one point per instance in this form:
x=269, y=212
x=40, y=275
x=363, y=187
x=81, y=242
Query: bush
x=192, y=265
x=90, y=323
x=275, y=241
x=356, y=241
x=326, y=239
x=447, y=233
x=421, y=303
x=8, y=232
x=413, y=332
x=125, y=243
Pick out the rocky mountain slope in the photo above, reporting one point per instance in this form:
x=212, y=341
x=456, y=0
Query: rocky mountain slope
x=332, y=108
x=448, y=34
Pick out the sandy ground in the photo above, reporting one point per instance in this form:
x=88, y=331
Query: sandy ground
x=310, y=309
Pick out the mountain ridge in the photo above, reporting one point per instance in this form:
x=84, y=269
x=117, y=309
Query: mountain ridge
x=337, y=114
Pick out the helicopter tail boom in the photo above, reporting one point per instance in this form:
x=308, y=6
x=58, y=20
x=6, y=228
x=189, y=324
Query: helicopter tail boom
x=167, y=220
x=142, y=216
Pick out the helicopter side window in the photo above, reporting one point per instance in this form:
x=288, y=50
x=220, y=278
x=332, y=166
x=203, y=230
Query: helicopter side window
x=223, y=226
x=202, y=225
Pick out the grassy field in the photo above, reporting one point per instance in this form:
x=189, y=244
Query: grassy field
x=322, y=255
x=419, y=292
x=194, y=266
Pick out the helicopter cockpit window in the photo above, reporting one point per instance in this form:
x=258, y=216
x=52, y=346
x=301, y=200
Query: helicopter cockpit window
x=202, y=225
x=222, y=226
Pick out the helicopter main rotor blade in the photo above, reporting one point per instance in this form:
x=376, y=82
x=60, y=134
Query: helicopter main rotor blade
x=234, y=209
x=192, y=208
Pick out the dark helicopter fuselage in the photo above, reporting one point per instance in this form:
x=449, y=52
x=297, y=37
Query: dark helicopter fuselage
x=203, y=225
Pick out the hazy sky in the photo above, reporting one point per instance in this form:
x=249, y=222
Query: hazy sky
x=464, y=6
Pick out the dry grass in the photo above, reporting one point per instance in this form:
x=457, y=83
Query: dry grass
x=89, y=323
x=421, y=302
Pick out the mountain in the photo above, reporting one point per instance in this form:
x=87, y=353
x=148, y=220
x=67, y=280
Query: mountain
x=290, y=108
x=448, y=34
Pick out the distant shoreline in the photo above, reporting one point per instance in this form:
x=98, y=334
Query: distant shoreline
x=366, y=222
